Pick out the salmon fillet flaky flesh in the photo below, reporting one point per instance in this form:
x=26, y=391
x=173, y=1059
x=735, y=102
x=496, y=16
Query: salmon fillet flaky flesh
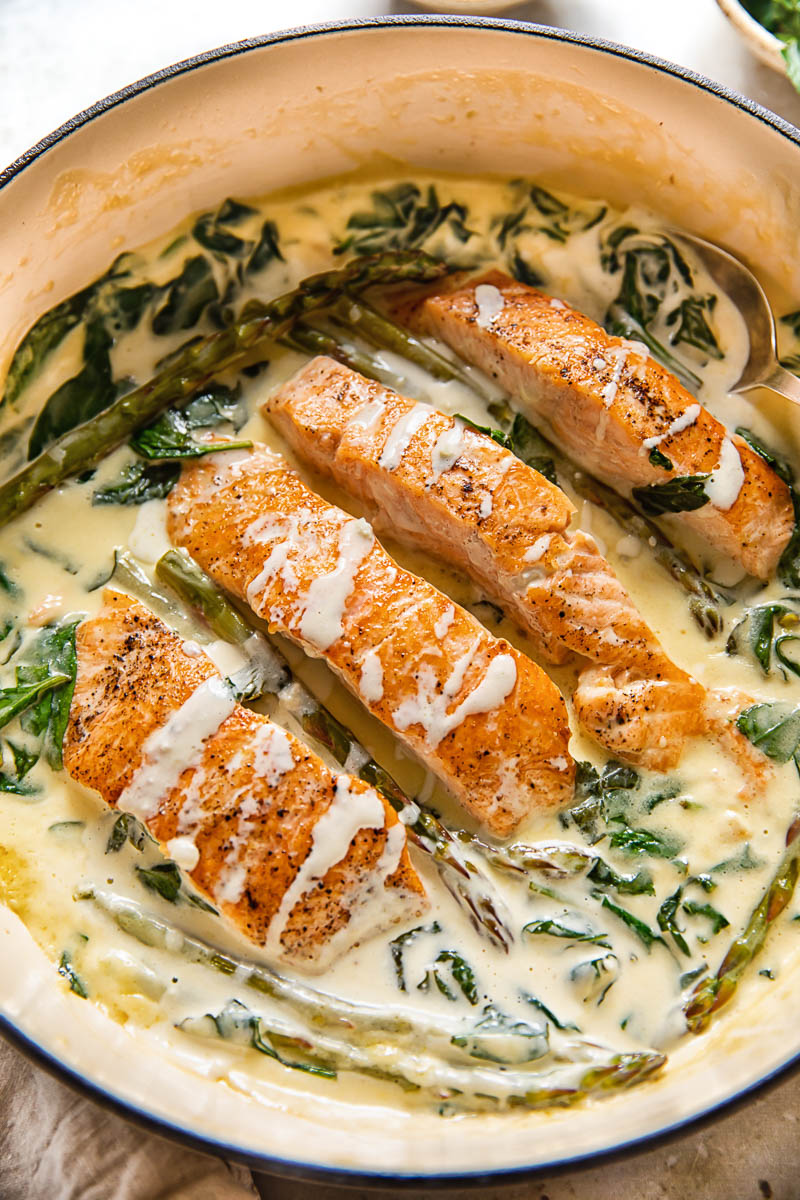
x=435, y=484
x=302, y=861
x=606, y=402
x=483, y=717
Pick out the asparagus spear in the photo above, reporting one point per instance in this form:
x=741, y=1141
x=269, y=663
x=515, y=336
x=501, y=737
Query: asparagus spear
x=311, y=340
x=462, y=878
x=714, y=992
x=359, y=317
x=345, y=1036
x=193, y=367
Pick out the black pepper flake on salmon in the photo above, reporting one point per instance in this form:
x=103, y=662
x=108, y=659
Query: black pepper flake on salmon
x=249, y=774
x=421, y=664
x=603, y=418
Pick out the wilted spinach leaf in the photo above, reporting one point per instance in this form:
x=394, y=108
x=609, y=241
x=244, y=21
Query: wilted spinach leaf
x=774, y=727
x=79, y=398
x=50, y=330
x=745, y=860
x=559, y=930
x=187, y=297
x=769, y=629
x=500, y=1038
x=523, y=272
x=15, y=700
x=693, y=328
x=449, y=969
x=236, y=1023
x=127, y=828
x=684, y=493
x=497, y=435
x=668, y=921
x=658, y=459
x=165, y=879
x=643, y=841
x=398, y=945
x=640, y=884
x=561, y=220
x=401, y=218
x=718, y=921
x=551, y=1016
x=139, y=482
x=52, y=653
x=266, y=249
x=170, y=436
x=642, y=930
x=72, y=977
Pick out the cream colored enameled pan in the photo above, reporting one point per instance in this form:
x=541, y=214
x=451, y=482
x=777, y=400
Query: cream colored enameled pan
x=488, y=97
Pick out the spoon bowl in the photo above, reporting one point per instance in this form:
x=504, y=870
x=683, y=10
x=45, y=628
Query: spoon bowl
x=762, y=369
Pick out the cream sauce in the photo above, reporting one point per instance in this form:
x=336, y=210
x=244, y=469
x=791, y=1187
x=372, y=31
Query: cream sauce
x=55, y=839
x=176, y=745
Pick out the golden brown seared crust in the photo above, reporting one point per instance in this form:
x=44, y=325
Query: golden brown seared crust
x=253, y=825
x=602, y=397
x=485, y=511
x=263, y=535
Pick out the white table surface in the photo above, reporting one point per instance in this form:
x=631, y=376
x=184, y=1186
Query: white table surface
x=58, y=56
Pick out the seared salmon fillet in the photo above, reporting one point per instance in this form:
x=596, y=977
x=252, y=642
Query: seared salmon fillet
x=609, y=404
x=303, y=861
x=482, y=716
x=436, y=484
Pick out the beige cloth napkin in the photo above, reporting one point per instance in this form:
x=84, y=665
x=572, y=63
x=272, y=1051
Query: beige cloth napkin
x=54, y=1145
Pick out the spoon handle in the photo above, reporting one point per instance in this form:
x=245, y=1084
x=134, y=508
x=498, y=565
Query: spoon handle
x=783, y=382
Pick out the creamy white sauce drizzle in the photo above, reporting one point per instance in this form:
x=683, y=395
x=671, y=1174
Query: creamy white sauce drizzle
x=269, y=755
x=490, y=302
x=177, y=745
x=371, y=683
x=367, y=416
x=184, y=852
x=350, y=811
x=444, y=622
x=485, y=509
x=289, y=534
x=447, y=449
x=401, y=434
x=725, y=482
x=321, y=623
x=684, y=421
x=429, y=707
x=609, y=390
x=538, y=549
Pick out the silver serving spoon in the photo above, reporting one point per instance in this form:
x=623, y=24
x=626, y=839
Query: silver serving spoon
x=762, y=368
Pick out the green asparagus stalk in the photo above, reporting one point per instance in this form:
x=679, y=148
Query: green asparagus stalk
x=384, y=1044
x=361, y=318
x=311, y=340
x=321, y=1011
x=468, y=885
x=195, y=365
x=555, y=860
x=712, y=994
x=467, y=1089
